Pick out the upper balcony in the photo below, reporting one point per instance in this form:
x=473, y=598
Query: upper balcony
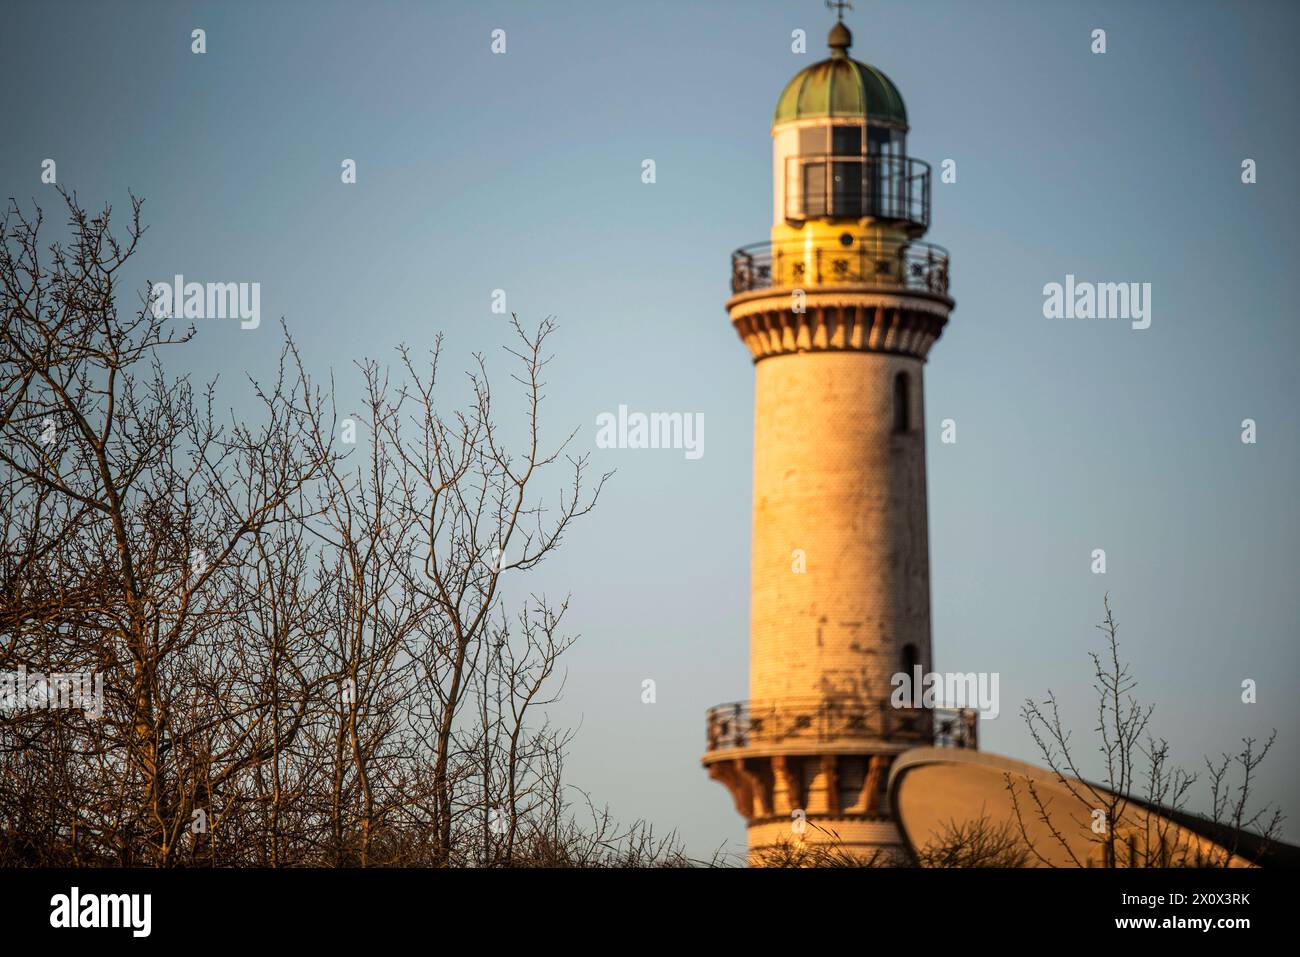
x=896, y=264
x=887, y=188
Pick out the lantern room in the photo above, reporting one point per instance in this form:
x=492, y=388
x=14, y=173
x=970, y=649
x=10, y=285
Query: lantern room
x=840, y=150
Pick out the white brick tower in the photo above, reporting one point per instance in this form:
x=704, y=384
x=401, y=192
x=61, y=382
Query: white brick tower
x=839, y=311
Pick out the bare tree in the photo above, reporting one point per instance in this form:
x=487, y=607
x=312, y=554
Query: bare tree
x=308, y=652
x=1156, y=796
x=123, y=487
x=475, y=502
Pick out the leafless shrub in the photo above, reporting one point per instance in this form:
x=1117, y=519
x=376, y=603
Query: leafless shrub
x=979, y=842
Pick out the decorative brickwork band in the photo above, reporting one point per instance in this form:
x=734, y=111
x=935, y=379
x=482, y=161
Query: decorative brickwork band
x=769, y=324
x=834, y=785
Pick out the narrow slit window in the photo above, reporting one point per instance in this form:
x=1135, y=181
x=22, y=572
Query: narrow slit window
x=902, y=409
x=910, y=660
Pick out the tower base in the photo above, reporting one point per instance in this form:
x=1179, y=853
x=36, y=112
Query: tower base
x=813, y=807
x=825, y=841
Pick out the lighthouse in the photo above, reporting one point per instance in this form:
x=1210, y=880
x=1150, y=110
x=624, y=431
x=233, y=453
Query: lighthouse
x=839, y=310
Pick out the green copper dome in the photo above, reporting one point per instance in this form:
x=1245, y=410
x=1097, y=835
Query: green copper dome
x=841, y=86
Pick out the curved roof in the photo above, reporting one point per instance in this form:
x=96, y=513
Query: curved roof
x=841, y=86
x=942, y=797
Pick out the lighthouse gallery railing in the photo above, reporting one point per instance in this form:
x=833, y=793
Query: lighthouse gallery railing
x=743, y=724
x=911, y=264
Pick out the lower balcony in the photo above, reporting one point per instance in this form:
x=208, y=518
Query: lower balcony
x=809, y=724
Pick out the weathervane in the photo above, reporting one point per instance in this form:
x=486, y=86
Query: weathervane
x=839, y=6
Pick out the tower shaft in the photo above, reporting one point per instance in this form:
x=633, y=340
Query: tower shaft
x=840, y=583
x=840, y=547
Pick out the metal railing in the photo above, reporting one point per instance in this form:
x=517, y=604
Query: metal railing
x=892, y=188
x=743, y=724
x=804, y=265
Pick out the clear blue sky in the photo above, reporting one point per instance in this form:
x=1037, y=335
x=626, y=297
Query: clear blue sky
x=522, y=172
